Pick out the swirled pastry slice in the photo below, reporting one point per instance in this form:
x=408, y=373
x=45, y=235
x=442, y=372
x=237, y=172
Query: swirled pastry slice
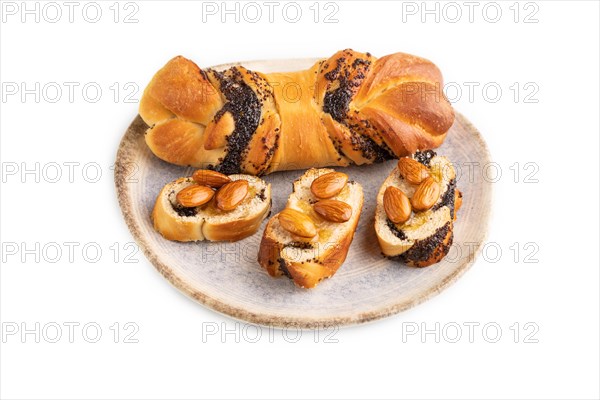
x=308, y=241
x=426, y=235
x=209, y=221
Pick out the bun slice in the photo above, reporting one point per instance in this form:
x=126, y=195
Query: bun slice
x=211, y=206
x=309, y=240
x=416, y=225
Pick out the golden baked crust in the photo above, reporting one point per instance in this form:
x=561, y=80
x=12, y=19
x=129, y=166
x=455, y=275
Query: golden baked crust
x=349, y=108
x=183, y=89
x=234, y=230
x=304, y=274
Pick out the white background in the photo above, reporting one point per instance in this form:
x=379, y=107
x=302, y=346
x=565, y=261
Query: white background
x=559, y=294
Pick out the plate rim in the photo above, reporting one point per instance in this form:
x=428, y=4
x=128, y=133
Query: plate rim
x=126, y=154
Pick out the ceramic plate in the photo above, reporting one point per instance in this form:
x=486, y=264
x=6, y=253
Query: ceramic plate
x=226, y=277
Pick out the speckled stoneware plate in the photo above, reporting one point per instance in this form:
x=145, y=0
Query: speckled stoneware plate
x=227, y=278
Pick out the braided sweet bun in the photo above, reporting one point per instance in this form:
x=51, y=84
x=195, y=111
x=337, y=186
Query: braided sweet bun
x=349, y=109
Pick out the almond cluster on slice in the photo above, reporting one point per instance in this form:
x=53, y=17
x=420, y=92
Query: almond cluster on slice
x=398, y=207
x=323, y=188
x=228, y=194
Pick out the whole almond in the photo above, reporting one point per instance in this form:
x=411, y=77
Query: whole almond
x=328, y=185
x=194, y=195
x=296, y=238
x=231, y=195
x=333, y=210
x=297, y=223
x=412, y=170
x=210, y=178
x=396, y=205
x=426, y=195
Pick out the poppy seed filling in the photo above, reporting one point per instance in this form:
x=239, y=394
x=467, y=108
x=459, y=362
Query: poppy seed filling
x=245, y=107
x=425, y=249
x=448, y=198
x=336, y=103
x=184, y=211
